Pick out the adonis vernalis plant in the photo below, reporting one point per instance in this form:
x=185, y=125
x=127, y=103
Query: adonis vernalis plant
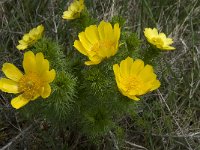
x=88, y=100
x=158, y=39
x=30, y=85
x=30, y=38
x=74, y=10
x=98, y=43
x=134, y=79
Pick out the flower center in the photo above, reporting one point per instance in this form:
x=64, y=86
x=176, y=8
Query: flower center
x=105, y=45
x=30, y=84
x=158, y=41
x=132, y=83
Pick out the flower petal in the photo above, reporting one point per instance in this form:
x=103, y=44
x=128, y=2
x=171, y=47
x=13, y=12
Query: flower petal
x=78, y=45
x=147, y=74
x=133, y=97
x=49, y=76
x=169, y=48
x=156, y=84
x=46, y=91
x=19, y=102
x=116, y=32
x=26, y=37
x=108, y=31
x=150, y=33
x=101, y=30
x=84, y=41
x=137, y=66
x=42, y=64
x=168, y=41
x=125, y=66
x=29, y=63
x=116, y=70
x=92, y=34
x=11, y=71
x=9, y=86
x=22, y=47
x=40, y=28
x=68, y=15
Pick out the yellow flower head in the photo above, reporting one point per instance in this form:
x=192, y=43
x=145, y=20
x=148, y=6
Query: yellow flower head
x=30, y=38
x=99, y=42
x=30, y=85
x=134, y=79
x=74, y=10
x=158, y=39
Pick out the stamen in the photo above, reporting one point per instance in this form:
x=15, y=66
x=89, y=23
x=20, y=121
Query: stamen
x=29, y=85
x=158, y=41
x=106, y=45
x=132, y=82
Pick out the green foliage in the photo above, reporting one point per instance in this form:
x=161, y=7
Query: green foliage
x=60, y=101
x=150, y=55
x=99, y=103
x=85, y=102
x=81, y=23
x=52, y=52
x=133, y=44
x=118, y=19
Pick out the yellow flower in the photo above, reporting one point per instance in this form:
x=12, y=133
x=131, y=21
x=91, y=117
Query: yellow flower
x=30, y=38
x=30, y=85
x=99, y=42
x=74, y=10
x=134, y=79
x=158, y=39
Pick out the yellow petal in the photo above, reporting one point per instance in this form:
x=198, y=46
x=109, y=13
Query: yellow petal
x=116, y=32
x=46, y=91
x=162, y=36
x=84, y=41
x=11, y=71
x=150, y=33
x=21, y=47
x=92, y=34
x=101, y=30
x=9, y=86
x=125, y=66
x=19, y=102
x=108, y=31
x=40, y=28
x=156, y=84
x=137, y=66
x=29, y=63
x=26, y=37
x=22, y=42
x=133, y=97
x=94, y=61
x=49, y=76
x=154, y=32
x=79, y=47
x=33, y=33
x=74, y=6
x=68, y=15
x=88, y=63
x=169, y=48
x=147, y=74
x=42, y=64
x=168, y=41
x=116, y=69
